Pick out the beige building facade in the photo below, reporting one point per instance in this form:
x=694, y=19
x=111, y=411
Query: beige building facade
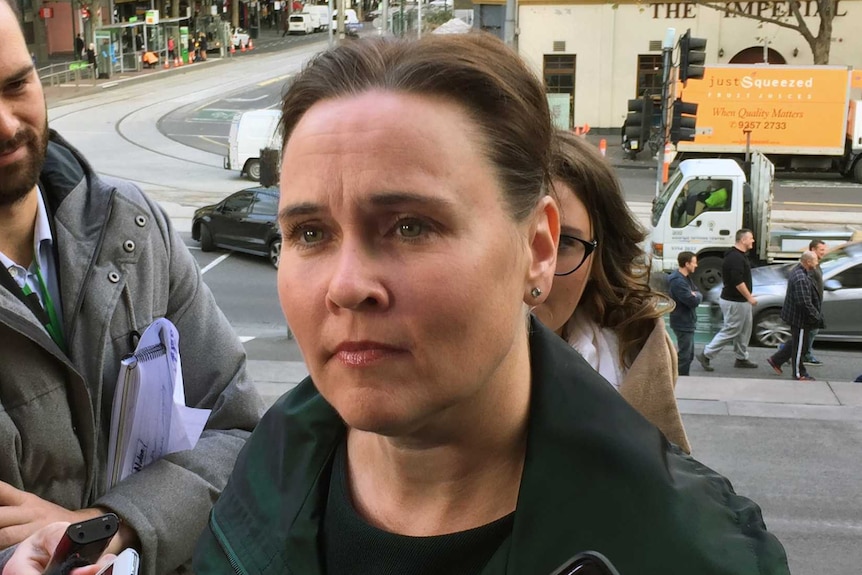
x=603, y=54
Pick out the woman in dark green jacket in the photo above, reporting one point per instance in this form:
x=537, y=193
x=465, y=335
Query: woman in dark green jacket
x=442, y=430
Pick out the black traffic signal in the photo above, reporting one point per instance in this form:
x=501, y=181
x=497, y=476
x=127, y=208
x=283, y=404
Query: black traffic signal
x=639, y=122
x=682, y=127
x=692, y=55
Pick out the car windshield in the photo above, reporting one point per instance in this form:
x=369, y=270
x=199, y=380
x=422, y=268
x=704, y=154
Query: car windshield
x=661, y=201
x=834, y=259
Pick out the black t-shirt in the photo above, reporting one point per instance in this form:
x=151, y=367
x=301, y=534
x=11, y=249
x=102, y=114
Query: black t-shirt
x=735, y=269
x=353, y=547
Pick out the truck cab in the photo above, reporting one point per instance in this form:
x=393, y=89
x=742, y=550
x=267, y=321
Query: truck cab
x=700, y=209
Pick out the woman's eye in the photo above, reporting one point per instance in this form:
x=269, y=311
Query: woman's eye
x=410, y=229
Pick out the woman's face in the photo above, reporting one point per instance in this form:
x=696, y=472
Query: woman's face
x=402, y=275
x=567, y=290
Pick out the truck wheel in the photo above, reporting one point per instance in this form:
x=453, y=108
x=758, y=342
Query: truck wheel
x=207, y=243
x=857, y=170
x=769, y=329
x=252, y=170
x=708, y=273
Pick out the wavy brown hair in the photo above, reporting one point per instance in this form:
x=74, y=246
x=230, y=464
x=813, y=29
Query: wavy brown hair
x=618, y=295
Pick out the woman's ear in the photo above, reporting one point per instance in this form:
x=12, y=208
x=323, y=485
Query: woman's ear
x=544, y=239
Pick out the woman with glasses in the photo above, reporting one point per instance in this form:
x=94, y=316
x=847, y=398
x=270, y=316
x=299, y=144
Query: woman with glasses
x=442, y=429
x=601, y=302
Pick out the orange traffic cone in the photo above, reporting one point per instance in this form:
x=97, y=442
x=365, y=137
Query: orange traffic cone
x=603, y=147
x=167, y=64
x=241, y=46
x=250, y=44
x=178, y=62
x=232, y=49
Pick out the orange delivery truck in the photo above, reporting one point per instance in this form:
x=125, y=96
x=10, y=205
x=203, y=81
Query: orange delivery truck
x=803, y=118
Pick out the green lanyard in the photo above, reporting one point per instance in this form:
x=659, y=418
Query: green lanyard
x=55, y=330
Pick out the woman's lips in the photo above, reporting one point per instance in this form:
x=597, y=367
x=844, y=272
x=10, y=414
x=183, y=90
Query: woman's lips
x=363, y=354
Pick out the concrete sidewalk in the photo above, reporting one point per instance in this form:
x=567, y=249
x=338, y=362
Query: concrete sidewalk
x=783, y=399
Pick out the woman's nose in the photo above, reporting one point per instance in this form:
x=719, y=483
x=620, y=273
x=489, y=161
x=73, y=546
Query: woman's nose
x=355, y=283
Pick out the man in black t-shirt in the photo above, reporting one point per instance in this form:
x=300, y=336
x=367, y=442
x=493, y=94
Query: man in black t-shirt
x=736, y=301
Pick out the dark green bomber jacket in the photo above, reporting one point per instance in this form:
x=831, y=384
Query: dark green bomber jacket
x=597, y=477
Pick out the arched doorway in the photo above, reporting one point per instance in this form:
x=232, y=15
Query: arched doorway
x=754, y=55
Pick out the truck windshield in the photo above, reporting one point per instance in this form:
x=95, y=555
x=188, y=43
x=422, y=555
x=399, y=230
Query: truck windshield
x=661, y=201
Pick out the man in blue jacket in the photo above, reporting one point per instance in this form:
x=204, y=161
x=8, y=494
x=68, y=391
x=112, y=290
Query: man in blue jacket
x=683, y=319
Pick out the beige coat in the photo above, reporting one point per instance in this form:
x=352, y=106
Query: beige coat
x=649, y=386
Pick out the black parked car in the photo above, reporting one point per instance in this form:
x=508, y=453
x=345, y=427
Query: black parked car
x=245, y=222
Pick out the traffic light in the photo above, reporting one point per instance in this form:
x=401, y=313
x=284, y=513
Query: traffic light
x=639, y=122
x=692, y=55
x=682, y=127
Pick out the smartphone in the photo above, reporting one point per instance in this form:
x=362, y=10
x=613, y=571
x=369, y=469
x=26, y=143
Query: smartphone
x=82, y=544
x=126, y=563
x=587, y=563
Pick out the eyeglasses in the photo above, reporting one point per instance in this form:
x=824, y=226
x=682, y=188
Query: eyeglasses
x=572, y=253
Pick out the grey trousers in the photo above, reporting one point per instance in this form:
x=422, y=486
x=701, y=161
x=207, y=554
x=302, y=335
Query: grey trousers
x=736, y=329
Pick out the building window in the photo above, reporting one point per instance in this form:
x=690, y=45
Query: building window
x=559, y=75
x=649, y=76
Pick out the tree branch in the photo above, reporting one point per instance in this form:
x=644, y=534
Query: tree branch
x=802, y=28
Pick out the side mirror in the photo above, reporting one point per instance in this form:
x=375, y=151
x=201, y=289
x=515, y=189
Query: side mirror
x=832, y=285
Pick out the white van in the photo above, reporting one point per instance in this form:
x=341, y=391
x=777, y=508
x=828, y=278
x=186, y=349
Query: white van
x=251, y=132
x=300, y=24
x=351, y=22
x=319, y=15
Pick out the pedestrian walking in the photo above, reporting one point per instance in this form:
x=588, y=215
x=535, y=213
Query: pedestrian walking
x=172, y=49
x=736, y=301
x=79, y=46
x=801, y=310
x=683, y=318
x=819, y=248
x=91, y=55
x=203, y=46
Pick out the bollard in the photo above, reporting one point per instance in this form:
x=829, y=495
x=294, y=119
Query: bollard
x=603, y=147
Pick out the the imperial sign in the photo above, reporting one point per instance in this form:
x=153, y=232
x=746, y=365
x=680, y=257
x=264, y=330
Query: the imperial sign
x=676, y=10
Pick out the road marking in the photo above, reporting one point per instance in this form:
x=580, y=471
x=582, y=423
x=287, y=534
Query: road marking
x=246, y=338
x=274, y=80
x=816, y=184
x=215, y=262
x=211, y=141
x=820, y=204
x=261, y=97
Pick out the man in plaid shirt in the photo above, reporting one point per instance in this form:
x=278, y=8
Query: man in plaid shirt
x=802, y=311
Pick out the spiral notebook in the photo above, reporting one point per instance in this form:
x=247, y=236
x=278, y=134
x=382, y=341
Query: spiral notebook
x=149, y=417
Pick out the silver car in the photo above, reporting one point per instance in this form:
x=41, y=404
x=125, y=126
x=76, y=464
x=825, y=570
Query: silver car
x=842, y=298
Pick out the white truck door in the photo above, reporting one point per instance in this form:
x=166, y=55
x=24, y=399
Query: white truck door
x=705, y=213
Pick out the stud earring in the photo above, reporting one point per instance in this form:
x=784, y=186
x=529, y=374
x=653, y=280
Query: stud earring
x=536, y=292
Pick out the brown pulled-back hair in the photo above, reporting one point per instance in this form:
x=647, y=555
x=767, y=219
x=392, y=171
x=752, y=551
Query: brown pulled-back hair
x=476, y=71
x=617, y=295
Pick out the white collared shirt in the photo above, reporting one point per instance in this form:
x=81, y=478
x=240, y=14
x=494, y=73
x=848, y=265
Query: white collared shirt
x=43, y=243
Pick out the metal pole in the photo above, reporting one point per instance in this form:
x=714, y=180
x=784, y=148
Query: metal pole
x=419, y=13
x=384, y=29
x=340, y=19
x=667, y=64
x=509, y=27
x=328, y=24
